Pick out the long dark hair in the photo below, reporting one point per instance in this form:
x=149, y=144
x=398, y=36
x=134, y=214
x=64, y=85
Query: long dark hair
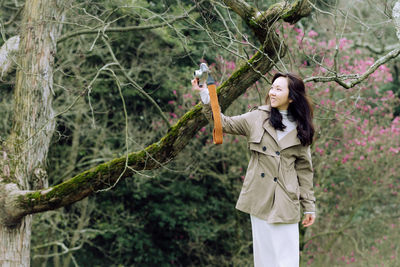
x=300, y=109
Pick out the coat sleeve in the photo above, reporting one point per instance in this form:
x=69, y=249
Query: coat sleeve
x=232, y=125
x=305, y=175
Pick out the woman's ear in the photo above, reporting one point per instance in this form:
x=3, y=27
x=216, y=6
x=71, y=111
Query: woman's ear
x=290, y=100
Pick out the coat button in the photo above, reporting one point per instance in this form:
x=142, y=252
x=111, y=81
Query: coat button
x=262, y=175
x=275, y=179
x=264, y=148
x=277, y=153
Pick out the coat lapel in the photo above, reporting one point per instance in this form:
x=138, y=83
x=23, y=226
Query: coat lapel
x=290, y=139
x=267, y=126
x=271, y=130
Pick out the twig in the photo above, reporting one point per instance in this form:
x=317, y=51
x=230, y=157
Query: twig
x=126, y=132
x=124, y=29
x=12, y=19
x=134, y=84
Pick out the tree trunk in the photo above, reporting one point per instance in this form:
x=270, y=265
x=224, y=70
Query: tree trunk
x=33, y=123
x=15, y=244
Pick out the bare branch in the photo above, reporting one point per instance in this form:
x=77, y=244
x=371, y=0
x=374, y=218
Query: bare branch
x=376, y=50
x=396, y=18
x=65, y=249
x=340, y=79
x=12, y=19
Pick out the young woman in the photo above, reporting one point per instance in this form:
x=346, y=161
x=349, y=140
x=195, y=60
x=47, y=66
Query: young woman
x=279, y=177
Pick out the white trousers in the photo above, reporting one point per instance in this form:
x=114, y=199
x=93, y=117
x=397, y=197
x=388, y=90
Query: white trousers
x=275, y=245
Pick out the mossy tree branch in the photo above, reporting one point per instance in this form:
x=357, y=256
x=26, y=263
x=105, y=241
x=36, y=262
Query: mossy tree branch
x=261, y=22
x=107, y=174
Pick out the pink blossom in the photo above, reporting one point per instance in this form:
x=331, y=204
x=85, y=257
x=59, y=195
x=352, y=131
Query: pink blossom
x=331, y=44
x=298, y=30
x=319, y=150
x=187, y=96
x=312, y=34
x=231, y=65
x=345, y=158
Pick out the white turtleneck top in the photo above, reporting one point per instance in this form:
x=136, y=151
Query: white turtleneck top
x=288, y=121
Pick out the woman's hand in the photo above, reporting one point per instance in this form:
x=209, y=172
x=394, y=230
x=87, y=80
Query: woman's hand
x=195, y=85
x=204, y=95
x=308, y=219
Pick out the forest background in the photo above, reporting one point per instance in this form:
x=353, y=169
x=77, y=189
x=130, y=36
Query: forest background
x=109, y=88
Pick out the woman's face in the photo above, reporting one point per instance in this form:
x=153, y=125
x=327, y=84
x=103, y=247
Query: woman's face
x=279, y=94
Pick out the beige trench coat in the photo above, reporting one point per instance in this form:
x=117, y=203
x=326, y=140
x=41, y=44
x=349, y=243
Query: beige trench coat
x=279, y=177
